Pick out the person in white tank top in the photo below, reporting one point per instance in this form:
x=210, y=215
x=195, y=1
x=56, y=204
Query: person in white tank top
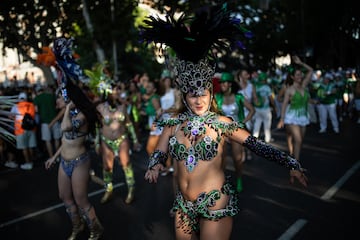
x=247, y=89
x=168, y=100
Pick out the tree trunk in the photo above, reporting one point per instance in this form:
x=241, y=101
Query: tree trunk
x=99, y=51
x=48, y=75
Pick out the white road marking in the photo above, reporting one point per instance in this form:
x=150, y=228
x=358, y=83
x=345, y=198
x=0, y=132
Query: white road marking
x=331, y=191
x=293, y=230
x=51, y=208
x=300, y=223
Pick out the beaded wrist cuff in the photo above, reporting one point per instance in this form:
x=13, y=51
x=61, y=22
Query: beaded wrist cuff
x=157, y=157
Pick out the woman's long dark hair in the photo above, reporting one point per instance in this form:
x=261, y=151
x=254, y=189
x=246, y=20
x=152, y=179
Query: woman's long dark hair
x=83, y=103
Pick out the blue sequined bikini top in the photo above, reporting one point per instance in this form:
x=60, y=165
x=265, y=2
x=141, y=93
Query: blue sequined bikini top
x=203, y=147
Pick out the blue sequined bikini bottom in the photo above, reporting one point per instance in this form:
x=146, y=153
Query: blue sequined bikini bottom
x=69, y=165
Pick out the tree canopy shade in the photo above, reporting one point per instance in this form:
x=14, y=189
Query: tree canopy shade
x=32, y=24
x=326, y=33
x=29, y=25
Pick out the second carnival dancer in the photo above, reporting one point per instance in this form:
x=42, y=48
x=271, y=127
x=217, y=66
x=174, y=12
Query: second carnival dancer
x=79, y=120
x=112, y=139
x=194, y=136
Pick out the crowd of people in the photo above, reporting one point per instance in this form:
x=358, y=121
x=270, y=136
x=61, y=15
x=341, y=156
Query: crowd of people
x=189, y=125
x=292, y=100
x=333, y=95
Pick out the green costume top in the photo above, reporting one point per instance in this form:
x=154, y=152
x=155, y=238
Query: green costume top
x=149, y=108
x=299, y=103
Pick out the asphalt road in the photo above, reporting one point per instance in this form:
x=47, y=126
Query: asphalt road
x=272, y=208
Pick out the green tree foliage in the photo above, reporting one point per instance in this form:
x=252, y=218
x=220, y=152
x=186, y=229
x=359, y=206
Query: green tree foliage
x=29, y=25
x=326, y=33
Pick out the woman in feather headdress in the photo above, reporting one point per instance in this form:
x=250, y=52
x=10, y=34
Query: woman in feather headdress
x=79, y=120
x=112, y=139
x=194, y=136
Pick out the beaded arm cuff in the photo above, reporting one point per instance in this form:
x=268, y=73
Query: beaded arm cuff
x=269, y=152
x=157, y=157
x=131, y=130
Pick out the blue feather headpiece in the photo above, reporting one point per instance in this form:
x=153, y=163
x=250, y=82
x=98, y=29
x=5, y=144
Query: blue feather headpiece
x=66, y=63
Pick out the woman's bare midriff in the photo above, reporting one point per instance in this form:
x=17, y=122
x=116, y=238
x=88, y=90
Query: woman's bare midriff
x=71, y=149
x=202, y=179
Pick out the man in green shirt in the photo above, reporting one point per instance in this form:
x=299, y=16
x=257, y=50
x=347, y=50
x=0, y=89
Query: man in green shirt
x=45, y=102
x=326, y=94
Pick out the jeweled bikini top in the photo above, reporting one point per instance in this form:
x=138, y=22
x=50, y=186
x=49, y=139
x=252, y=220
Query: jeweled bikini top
x=112, y=114
x=203, y=147
x=76, y=124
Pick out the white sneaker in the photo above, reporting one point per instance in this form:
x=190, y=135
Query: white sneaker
x=164, y=173
x=26, y=166
x=358, y=121
x=11, y=164
x=322, y=131
x=336, y=130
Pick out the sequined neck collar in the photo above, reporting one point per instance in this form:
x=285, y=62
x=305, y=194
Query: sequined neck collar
x=195, y=127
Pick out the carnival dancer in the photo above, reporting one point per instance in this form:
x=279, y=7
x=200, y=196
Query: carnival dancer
x=79, y=120
x=113, y=135
x=195, y=135
x=294, y=111
x=233, y=105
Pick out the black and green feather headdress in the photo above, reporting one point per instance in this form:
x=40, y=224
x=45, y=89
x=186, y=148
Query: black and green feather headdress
x=194, y=39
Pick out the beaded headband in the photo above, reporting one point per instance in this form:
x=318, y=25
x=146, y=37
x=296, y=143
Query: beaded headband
x=192, y=77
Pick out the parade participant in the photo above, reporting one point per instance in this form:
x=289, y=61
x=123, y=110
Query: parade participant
x=113, y=135
x=280, y=99
x=79, y=120
x=25, y=137
x=152, y=112
x=246, y=86
x=195, y=135
x=326, y=105
x=45, y=102
x=135, y=107
x=264, y=107
x=233, y=105
x=168, y=100
x=294, y=110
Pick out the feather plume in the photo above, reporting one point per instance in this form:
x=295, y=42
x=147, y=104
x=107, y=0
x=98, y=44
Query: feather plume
x=7, y=124
x=100, y=82
x=193, y=37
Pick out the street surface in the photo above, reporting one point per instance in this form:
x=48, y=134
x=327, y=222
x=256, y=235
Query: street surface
x=272, y=208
